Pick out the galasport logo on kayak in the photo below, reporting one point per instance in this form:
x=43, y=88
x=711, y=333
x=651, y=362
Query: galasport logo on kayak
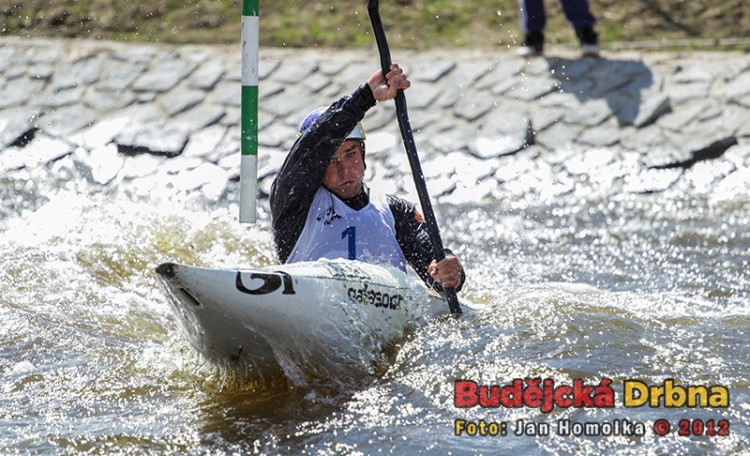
x=271, y=282
x=363, y=295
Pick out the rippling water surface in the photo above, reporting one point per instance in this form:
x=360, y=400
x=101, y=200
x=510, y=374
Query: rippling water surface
x=648, y=287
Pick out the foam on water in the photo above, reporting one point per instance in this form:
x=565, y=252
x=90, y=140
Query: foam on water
x=636, y=286
x=90, y=357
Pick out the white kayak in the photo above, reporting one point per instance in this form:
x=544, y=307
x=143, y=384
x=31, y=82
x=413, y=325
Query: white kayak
x=307, y=320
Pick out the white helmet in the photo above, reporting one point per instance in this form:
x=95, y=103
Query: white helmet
x=357, y=133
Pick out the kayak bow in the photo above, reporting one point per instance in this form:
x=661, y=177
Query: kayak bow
x=305, y=319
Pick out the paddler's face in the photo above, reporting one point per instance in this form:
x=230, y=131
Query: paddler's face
x=345, y=172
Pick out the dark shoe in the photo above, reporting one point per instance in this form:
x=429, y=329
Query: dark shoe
x=533, y=45
x=589, y=41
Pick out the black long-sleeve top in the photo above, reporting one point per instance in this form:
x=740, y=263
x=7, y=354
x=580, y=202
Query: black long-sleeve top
x=302, y=173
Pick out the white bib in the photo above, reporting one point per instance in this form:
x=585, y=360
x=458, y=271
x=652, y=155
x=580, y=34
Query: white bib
x=334, y=230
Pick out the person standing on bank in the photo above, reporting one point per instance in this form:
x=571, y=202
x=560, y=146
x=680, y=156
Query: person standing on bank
x=321, y=208
x=534, y=19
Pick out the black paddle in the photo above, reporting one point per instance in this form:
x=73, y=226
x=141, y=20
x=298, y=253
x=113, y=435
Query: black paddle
x=411, y=150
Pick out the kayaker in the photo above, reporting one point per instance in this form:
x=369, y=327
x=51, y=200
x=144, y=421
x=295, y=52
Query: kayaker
x=321, y=208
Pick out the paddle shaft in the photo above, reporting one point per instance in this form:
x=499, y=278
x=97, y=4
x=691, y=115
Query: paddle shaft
x=411, y=150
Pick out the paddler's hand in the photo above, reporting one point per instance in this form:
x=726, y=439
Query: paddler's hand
x=386, y=88
x=447, y=272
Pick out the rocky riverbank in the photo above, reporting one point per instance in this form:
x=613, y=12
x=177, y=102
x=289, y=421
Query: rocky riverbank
x=147, y=119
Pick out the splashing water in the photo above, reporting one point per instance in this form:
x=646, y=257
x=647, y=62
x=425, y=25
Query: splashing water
x=647, y=287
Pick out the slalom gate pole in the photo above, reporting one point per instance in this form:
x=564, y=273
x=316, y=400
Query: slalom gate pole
x=249, y=114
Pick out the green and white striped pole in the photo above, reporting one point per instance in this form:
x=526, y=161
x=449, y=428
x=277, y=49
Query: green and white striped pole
x=249, y=117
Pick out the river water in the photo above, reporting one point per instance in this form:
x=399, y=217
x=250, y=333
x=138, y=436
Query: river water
x=622, y=287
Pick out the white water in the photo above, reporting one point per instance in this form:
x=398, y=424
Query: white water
x=643, y=287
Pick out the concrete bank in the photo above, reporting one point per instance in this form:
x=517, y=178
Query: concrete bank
x=149, y=118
